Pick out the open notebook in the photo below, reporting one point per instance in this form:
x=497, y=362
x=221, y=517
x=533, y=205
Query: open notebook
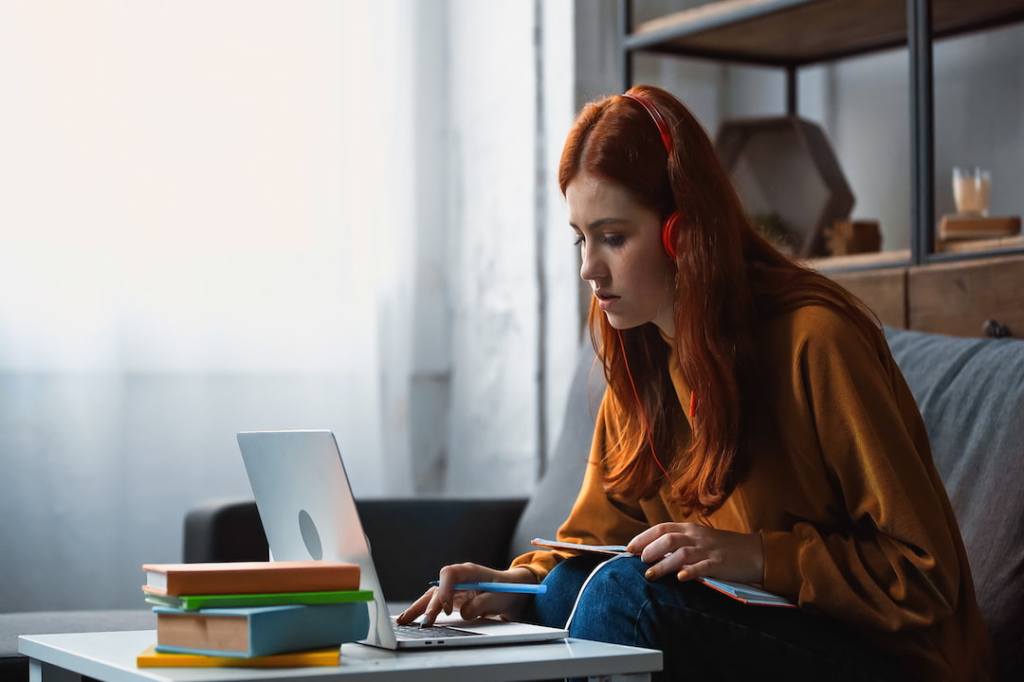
x=741, y=592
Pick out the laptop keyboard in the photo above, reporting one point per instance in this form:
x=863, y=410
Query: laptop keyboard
x=433, y=632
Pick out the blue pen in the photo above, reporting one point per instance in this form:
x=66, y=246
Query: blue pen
x=520, y=588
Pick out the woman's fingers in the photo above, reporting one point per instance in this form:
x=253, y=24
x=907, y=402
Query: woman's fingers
x=665, y=545
x=420, y=605
x=641, y=541
x=444, y=596
x=476, y=605
x=458, y=599
x=484, y=604
x=417, y=607
x=434, y=606
x=676, y=561
x=697, y=570
x=696, y=551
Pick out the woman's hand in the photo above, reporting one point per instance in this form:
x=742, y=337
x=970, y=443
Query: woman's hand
x=691, y=550
x=471, y=604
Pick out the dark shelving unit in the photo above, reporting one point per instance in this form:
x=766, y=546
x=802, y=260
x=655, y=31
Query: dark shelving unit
x=790, y=34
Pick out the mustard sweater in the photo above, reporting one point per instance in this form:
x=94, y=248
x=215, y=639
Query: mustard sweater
x=854, y=520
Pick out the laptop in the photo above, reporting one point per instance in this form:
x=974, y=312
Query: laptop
x=308, y=512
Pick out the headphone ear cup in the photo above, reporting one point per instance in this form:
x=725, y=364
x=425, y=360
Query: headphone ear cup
x=668, y=234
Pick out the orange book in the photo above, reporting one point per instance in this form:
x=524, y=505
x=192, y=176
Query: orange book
x=249, y=577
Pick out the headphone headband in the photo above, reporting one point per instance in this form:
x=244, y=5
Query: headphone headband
x=659, y=120
x=668, y=231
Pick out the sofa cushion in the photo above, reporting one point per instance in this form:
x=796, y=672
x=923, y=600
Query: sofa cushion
x=971, y=395
x=553, y=499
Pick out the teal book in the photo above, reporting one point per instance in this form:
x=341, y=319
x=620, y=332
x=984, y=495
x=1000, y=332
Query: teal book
x=194, y=602
x=259, y=631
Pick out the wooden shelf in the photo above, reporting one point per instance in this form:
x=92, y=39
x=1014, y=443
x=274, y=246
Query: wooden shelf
x=796, y=32
x=971, y=245
x=901, y=257
x=859, y=261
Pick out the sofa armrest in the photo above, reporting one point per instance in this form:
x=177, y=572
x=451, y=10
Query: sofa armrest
x=224, y=530
x=410, y=538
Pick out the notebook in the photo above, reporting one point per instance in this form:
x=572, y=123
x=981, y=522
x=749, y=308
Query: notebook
x=741, y=592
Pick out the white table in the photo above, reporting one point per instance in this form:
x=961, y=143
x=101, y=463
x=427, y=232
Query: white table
x=110, y=656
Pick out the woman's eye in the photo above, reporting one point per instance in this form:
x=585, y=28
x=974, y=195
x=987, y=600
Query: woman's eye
x=612, y=240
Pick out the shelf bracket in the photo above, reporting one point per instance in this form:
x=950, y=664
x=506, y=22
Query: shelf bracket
x=791, y=89
x=922, y=136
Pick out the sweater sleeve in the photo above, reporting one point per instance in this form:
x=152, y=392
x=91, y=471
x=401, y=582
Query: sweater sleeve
x=895, y=566
x=597, y=518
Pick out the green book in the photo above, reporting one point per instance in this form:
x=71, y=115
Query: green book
x=194, y=602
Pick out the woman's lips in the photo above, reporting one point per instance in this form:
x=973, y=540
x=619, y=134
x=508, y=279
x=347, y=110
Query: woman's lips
x=606, y=302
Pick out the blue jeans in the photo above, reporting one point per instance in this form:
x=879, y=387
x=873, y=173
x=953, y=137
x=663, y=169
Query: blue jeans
x=702, y=634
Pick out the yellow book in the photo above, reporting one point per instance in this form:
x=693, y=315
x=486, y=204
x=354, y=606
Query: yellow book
x=151, y=658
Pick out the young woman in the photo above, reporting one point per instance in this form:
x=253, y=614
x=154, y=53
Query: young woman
x=755, y=428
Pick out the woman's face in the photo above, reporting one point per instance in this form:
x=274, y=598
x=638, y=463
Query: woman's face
x=620, y=243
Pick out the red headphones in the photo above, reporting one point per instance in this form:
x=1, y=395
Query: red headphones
x=668, y=228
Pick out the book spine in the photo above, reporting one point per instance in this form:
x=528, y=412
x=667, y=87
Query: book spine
x=307, y=627
x=164, y=659
x=261, y=581
x=169, y=649
x=208, y=601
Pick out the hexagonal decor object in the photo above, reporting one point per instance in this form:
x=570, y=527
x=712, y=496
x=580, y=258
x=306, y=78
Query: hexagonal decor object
x=787, y=177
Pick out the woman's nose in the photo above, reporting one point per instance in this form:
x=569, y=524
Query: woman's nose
x=592, y=268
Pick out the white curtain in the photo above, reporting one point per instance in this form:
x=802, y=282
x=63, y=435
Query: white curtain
x=204, y=208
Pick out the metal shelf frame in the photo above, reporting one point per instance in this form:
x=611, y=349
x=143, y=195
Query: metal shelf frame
x=919, y=43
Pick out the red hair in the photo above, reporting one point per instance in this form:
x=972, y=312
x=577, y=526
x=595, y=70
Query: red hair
x=729, y=280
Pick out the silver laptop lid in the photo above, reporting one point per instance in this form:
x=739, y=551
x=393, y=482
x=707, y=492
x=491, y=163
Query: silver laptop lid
x=308, y=512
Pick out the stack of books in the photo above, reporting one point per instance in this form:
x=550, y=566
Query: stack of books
x=254, y=614
x=959, y=233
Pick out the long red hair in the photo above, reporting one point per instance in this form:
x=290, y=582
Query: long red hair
x=729, y=280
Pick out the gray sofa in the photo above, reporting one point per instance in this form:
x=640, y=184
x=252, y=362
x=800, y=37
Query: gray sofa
x=970, y=392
